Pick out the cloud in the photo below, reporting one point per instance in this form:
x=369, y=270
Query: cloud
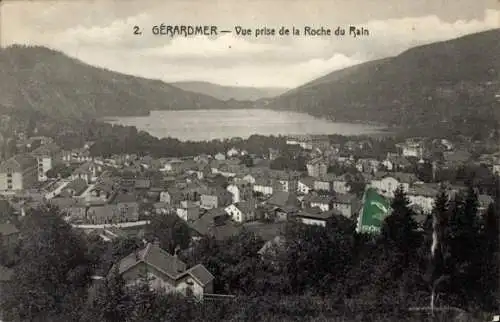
x=202, y=46
x=118, y=33
x=105, y=38
x=431, y=28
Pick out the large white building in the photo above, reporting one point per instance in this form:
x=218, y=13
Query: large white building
x=18, y=173
x=387, y=184
x=47, y=156
x=411, y=149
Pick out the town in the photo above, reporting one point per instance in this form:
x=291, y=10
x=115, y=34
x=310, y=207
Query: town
x=228, y=194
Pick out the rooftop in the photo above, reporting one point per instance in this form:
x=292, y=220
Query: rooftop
x=155, y=256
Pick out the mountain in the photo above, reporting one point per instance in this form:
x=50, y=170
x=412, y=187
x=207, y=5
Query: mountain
x=54, y=84
x=225, y=93
x=438, y=83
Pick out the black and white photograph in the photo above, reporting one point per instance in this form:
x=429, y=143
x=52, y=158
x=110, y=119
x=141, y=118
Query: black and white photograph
x=249, y=160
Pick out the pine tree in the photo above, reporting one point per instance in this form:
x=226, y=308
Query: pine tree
x=490, y=259
x=400, y=227
x=400, y=243
x=465, y=247
x=108, y=300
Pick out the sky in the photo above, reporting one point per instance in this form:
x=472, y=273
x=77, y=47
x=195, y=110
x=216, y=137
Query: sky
x=100, y=33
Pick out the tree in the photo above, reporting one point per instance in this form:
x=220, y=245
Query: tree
x=108, y=300
x=400, y=226
x=171, y=231
x=400, y=242
x=356, y=184
x=465, y=247
x=490, y=259
x=246, y=160
x=53, y=269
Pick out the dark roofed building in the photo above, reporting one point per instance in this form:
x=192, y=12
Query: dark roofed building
x=74, y=188
x=215, y=223
x=282, y=199
x=215, y=197
x=315, y=216
x=142, y=183
x=165, y=272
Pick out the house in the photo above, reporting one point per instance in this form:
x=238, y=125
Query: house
x=495, y=167
x=264, y=186
x=230, y=170
x=249, y=178
x=411, y=148
x=102, y=191
x=324, y=183
x=484, y=202
x=322, y=202
x=273, y=154
x=9, y=233
x=215, y=198
x=367, y=165
x=202, y=158
x=396, y=163
x=272, y=249
x=316, y=168
x=304, y=141
x=76, y=156
x=423, y=196
x=104, y=214
x=387, y=183
x=173, y=165
x=127, y=207
x=281, y=204
x=89, y=171
x=282, y=199
x=346, y=204
x=305, y=185
x=161, y=208
x=233, y=152
x=18, y=173
x=188, y=211
x=315, y=216
x=74, y=188
x=172, y=196
x=164, y=272
x=214, y=223
x=341, y=184
x=241, y=191
x=142, y=184
x=284, y=180
x=46, y=156
x=241, y=211
x=179, y=166
x=202, y=171
x=220, y=157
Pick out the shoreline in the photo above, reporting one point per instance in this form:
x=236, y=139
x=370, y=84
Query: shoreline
x=380, y=129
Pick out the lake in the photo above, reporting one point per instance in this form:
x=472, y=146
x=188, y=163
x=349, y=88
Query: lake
x=200, y=125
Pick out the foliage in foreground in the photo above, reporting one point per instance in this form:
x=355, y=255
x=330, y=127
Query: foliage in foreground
x=316, y=274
